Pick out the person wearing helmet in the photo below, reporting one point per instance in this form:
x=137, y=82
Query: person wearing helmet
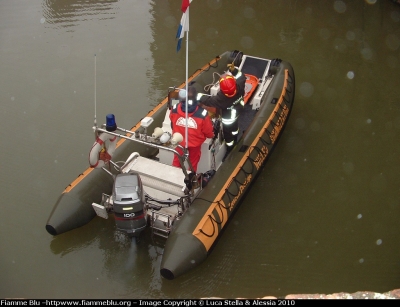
x=230, y=102
x=199, y=126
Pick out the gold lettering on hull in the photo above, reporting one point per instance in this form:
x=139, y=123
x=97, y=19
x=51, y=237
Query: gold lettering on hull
x=261, y=157
x=279, y=124
x=212, y=224
x=217, y=214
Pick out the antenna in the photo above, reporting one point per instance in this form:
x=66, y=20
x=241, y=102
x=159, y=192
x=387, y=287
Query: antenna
x=95, y=81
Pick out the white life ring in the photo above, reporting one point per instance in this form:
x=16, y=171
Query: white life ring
x=105, y=144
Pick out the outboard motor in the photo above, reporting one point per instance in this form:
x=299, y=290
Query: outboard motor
x=129, y=204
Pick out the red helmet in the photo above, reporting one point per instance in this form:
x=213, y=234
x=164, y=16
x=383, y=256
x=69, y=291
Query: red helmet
x=227, y=84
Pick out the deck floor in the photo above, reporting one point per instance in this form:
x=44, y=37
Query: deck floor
x=245, y=119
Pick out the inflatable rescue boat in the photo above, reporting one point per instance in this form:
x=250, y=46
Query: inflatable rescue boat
x=131, y=179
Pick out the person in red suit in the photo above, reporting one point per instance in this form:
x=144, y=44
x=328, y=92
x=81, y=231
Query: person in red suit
x=200, y=126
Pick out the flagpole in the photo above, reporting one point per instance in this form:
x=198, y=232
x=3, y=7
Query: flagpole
x=186, y=82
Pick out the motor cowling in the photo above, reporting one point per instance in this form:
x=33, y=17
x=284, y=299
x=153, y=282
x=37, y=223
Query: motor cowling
x=129, y=204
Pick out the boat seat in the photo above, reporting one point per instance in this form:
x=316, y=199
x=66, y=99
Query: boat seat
x=158, y=176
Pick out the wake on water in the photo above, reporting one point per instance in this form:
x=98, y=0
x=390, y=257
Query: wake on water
x=132, y=254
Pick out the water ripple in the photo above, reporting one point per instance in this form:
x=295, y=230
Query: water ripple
x=69, y=14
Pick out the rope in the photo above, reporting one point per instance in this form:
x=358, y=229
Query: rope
x=258, y=151
x=222, y=212
x=220, y=205
x=252, y=168
x=281, y=105
x=265, y=142
x=212, y=220
x=286, y=99
x=208, y=86
x=229, y=194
